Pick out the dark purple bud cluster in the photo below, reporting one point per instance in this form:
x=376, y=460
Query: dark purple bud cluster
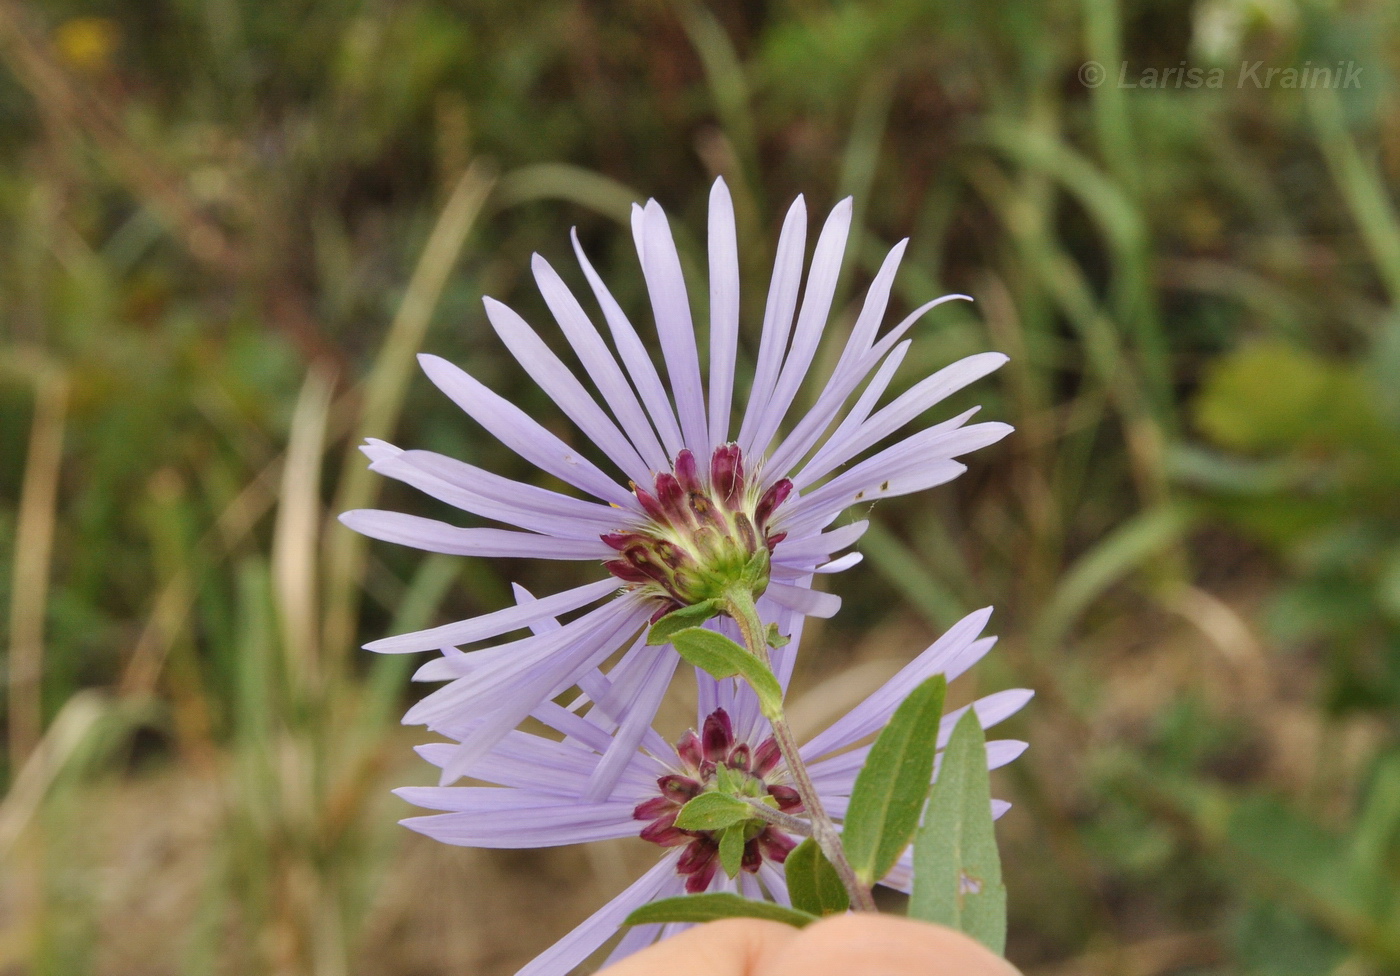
x=700, y=757
x=706, y=533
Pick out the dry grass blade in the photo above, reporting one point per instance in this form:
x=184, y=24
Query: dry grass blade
x=33, y=548
x=78, y=716
x=564, y=181
x=172, y=605
x=297, y=532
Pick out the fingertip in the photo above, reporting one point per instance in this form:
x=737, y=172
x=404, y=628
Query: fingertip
x=732, y=947
x=884, y=944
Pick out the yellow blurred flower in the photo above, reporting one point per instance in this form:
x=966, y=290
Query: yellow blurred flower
x=88, y=43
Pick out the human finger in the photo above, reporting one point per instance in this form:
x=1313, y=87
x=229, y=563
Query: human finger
x=733, y=947
x=880, y=945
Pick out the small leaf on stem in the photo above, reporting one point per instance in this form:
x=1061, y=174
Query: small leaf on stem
x=713, y=811
x=713, y=906
x=957, y=871
x=720, y=657
x=691, y=616
x=893, y=784
x=813, y=883
x=731, y=850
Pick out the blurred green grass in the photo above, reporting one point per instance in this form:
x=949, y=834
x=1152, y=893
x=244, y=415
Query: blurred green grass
x=226, y=226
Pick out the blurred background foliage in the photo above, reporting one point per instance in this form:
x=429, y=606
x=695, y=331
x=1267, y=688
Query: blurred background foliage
x=227, y=225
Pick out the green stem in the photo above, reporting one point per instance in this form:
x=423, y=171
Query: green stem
x=739, y=604
x=793, y=825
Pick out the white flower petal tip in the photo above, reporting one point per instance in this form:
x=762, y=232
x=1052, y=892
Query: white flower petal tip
x=842, y=564
x=377, y=450
x=810, y=603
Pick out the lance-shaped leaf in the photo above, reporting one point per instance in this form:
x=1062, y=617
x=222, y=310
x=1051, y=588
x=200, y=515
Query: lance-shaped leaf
x=691, y=616
x=720, y=657
x=714, y=906
x=957, y=871
x=893, y=784
x=813, y=883
x=713, y=811
x=731, y=850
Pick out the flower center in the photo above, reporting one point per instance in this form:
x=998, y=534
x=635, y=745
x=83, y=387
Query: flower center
x=705, y=534
x=748, y=773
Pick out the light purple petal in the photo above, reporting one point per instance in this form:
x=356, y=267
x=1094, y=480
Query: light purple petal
x=527, y=762
x=877, y=300
x=818, y=546
x=811, y=322
x=615, y=694
x=574, y=726
x=918, y=462
x=563, y=821
x=488, y=671
x=530, y=686
x=784, y=658
x=836, y=777
x=777, y=318
x=515, y=429
x=547, y=370
x=634, y=726
x=706, y=693
x=602, y=517
x=376, y=449
x=871, y=715
x=724, y=309
x=431, y=535
x=560, y=958
x=599, y=363
x=521, y=505
x=846, y=444
x=818, y=515
x=943, y=440
x=840, y=565
x=634, y=357
x=638, y=937
x=775, y=882
x=497, y=622
x=661, y=267
x=894, y=335
x=865, y=403
x=811, y=603
x=478, y=799
x=853, y=365
x=991, y=711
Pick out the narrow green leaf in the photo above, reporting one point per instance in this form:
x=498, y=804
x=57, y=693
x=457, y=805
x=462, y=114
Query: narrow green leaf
x=712, y=811
x=893, y=784
x=691, y=616
x=957, y=871
x=731, y=850
x=720, y=657
x=714, y=906
x=813, y=883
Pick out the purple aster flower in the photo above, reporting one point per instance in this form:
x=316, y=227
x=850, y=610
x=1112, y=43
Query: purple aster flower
x=539, y=781
x=702, y=503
